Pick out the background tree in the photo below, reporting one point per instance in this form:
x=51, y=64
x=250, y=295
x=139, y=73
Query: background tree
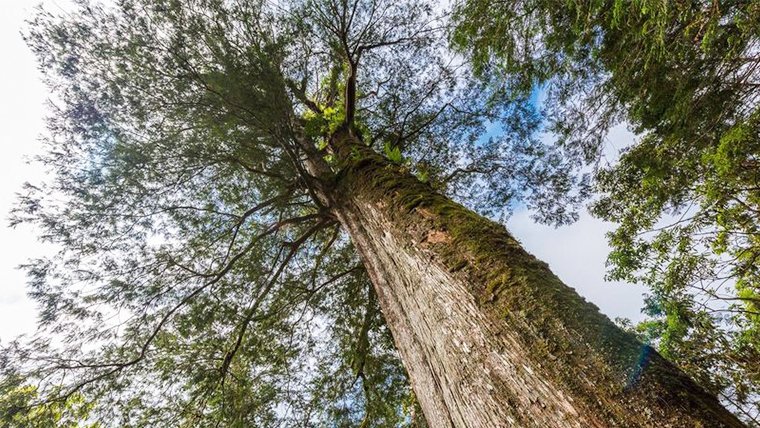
x=685, y=76
x=20, y=409
x=248, y=199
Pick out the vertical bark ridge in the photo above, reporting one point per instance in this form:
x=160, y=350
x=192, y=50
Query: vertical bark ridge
x=489, y=336
x=414, y=357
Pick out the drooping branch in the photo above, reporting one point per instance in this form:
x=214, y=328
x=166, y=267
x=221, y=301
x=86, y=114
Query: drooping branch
x=213, y=278
x=251, y=312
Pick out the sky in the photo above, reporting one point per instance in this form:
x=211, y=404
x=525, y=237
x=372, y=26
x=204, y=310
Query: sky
x=575, y=253
x=22, y=109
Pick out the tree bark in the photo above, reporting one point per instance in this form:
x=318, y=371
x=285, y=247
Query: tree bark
x=489, y=336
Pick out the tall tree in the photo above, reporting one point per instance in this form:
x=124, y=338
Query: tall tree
x=686, y=76
x=250, y=202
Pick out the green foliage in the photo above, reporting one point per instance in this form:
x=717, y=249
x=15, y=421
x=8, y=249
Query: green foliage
x=684, y=75
x=321, y=126
x=393, y=153
x=20, y=408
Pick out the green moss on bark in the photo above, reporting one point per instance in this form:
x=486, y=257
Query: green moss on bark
x=599, y=364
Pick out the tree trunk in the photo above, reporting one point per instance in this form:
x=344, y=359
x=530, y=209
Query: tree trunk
x=489, y=336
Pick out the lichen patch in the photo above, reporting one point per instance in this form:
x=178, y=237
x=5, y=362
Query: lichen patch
x=438, y=237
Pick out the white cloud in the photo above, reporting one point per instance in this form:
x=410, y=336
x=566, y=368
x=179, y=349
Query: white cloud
x=577, y=254
x=21, y=123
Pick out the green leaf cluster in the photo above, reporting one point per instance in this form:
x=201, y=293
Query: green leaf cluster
x=21, y=407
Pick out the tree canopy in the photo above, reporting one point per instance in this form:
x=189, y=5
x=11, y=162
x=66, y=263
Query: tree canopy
x=200, y=279
x=685, y=76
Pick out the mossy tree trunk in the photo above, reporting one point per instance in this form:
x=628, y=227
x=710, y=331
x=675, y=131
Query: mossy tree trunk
x=489, y=336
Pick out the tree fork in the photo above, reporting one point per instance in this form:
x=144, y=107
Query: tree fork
x=489, y=335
